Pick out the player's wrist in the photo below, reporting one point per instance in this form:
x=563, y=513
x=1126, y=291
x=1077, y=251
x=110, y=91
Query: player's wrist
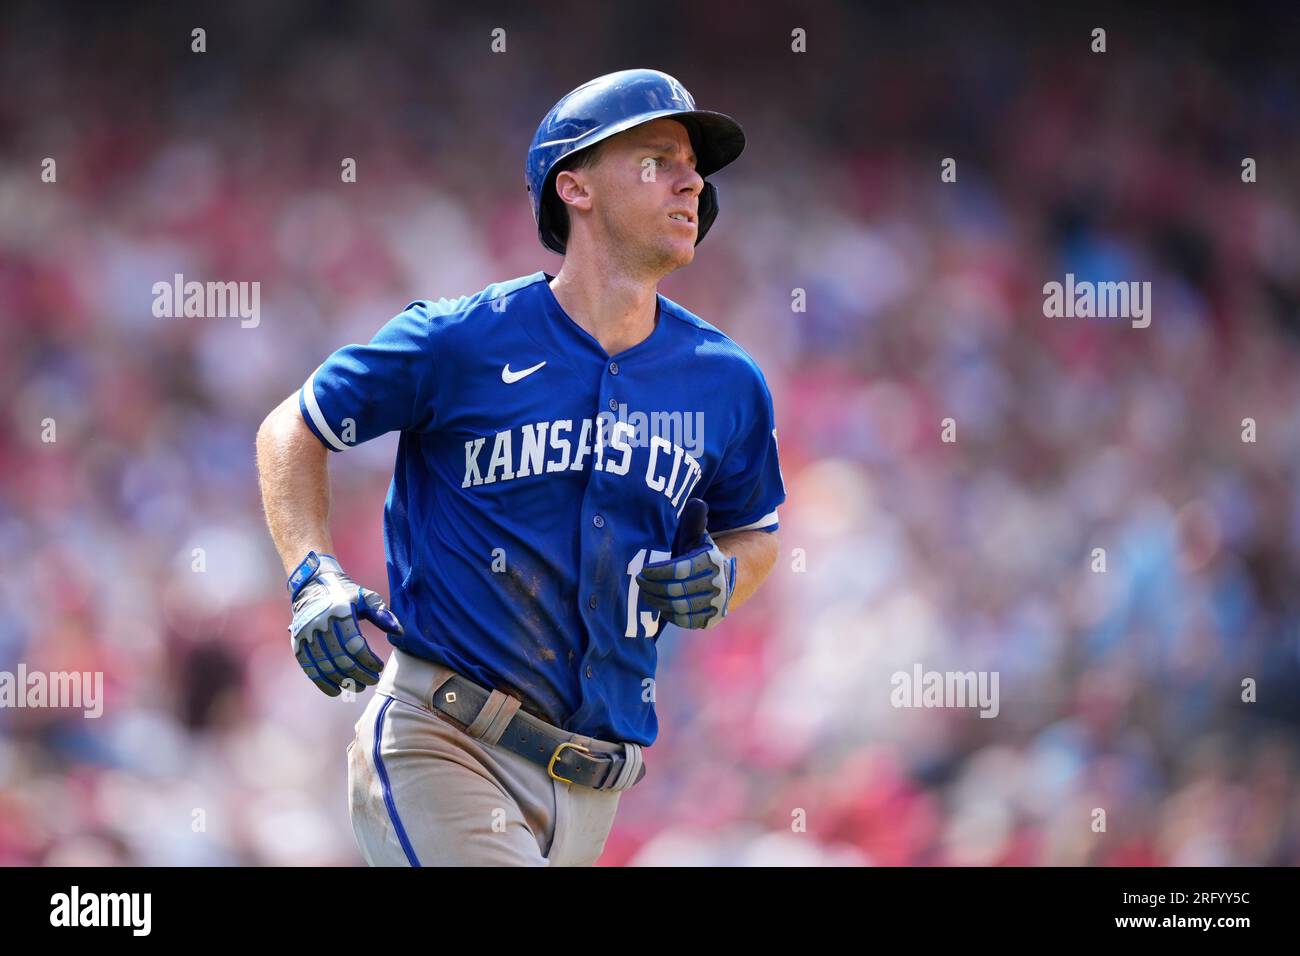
x=314, y=564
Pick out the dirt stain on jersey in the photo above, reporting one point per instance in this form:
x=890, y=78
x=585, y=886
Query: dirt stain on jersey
x=525, y=590
x=534, y=638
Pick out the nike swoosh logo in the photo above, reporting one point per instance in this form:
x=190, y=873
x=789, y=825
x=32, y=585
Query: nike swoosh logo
x=508, y=376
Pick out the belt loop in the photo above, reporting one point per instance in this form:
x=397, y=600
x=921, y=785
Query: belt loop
x=502, y=720
x=489, y=722
x=633, y=767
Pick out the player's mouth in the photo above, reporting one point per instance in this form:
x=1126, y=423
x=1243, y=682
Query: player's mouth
x=683, y=217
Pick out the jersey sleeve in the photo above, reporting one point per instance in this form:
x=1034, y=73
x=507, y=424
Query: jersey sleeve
x=364, y=391
x=748, y=487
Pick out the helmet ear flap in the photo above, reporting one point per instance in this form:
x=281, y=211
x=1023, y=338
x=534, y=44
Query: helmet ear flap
x=552, y=223
x=707, y=210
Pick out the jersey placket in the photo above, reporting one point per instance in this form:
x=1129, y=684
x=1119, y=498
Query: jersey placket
x=600, y=558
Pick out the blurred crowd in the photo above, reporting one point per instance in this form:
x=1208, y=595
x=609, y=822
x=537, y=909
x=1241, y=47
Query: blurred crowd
x=134, y=544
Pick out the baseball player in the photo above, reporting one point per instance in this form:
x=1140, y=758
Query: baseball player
x=581, y=462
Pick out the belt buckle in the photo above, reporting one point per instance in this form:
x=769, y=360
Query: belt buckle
x=550, y=767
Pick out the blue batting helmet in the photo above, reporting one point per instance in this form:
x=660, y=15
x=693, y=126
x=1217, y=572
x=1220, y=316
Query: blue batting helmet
x=611, y=104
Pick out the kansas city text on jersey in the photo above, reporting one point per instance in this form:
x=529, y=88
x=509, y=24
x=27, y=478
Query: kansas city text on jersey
x=547, y=447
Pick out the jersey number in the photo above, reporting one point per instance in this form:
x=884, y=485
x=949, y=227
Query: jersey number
x=649, y=619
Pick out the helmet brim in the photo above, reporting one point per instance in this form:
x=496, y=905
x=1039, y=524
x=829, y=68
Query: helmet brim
x=716, y=138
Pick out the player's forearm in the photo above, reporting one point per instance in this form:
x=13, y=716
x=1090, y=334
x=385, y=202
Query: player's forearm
x=755, y=553
x=294, y=478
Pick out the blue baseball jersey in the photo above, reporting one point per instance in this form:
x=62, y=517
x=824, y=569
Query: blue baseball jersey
x=536, y=474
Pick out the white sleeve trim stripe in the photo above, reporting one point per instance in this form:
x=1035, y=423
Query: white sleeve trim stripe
x=763, y=522
x=317, y=418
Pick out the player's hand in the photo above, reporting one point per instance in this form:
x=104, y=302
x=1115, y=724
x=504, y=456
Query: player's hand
x=326, y=634
x=693, y=587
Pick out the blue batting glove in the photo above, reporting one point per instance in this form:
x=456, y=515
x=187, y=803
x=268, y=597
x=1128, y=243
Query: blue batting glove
x=326, y=634
x=693, y=587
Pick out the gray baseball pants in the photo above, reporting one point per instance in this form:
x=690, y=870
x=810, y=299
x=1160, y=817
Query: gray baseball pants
x=424, y=792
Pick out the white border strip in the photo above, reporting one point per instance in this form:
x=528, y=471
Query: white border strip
x=762, y=522
x=318, y=419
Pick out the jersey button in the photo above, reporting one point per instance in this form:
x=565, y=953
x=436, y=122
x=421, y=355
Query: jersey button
x=613, y=404
x=598, y=521
x=592, y=602
x=613, y=368
x=590, y=672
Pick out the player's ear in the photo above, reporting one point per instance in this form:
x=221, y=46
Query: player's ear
x=573, y=189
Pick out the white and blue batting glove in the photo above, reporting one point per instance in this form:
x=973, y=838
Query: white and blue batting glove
x=326, y=633
x=693, y=587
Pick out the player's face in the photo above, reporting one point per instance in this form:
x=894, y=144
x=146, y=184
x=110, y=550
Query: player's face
x=646, y=195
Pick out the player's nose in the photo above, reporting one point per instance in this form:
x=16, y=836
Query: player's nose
x=691, y=182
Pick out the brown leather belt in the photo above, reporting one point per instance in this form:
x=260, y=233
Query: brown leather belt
x=565, y=760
